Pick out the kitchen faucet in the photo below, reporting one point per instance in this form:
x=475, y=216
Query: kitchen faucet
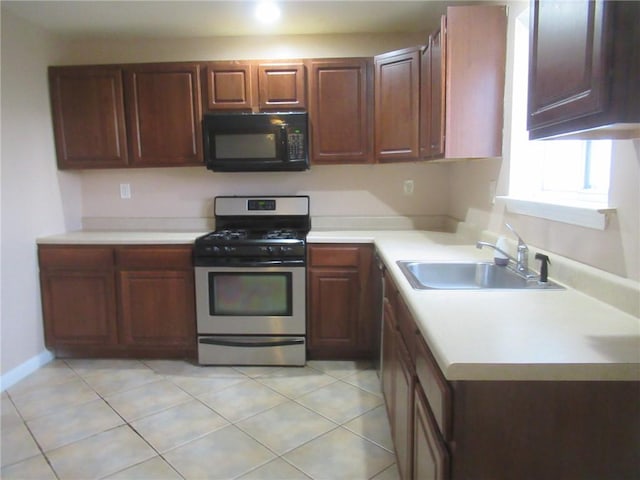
x=522, y=257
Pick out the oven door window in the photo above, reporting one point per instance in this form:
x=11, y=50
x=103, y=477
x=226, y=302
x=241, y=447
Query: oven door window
x=250, y=294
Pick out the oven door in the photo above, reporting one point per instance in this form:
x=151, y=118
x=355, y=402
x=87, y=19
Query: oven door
x=251, y=300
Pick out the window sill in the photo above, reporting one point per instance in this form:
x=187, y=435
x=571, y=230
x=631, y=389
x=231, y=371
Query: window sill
x=590, y=215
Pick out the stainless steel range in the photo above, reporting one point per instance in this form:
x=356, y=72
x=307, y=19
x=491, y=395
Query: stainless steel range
x=251, y=282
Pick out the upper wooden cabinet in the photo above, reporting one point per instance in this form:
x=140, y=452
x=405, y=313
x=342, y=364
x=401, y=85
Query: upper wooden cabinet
x=164, y=114
x=229, y=86
x=432, y=95
x=88, y=116
x=475, y=56
x=251, y=85
x=340, y=110
x=397, y=105
x=584, y=68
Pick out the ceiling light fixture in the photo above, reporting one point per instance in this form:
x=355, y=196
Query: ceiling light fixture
x=267, y=12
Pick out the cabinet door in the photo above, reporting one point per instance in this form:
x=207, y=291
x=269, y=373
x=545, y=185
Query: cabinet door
x=229, y=86
x=334, y=314
x=164, y=114
x=78, y=296
x=340, y=101
x=397, y=78
x=281, y=86
x=568, y=61
x=432, y=96
x=388, y=361
x=403, y=409
x=430, y=455
x=157, y=308
x=88, y=116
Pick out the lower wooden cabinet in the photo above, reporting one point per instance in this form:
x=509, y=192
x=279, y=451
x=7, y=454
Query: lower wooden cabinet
x=430, y=454
x=339, y=311
x=118, y=301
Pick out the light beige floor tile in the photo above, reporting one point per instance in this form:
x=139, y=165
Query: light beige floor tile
x=339, y=368
x=390, y=473
x=9, y=415
x=340, y=402
x=340, y=454
x=295, y=381
x=49, y=375
x=178, y=425
x=187, y=369
x=100, y=455
x=257, y=372
x=46, y=400
x=154, y=469
x=201, y=385
x=147, y=399
x=374, y=426
x=286, y=426
x=225, y=453
x=71, y=424
x=242, y=400
x=367, y=380
x=35, y=468
x=17, y=444
x=107, y=381
x=277, y=469
x=90, y=366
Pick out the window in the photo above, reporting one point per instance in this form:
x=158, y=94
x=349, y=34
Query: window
x=552, y=175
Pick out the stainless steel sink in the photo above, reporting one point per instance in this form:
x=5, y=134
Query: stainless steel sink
x=466, y=276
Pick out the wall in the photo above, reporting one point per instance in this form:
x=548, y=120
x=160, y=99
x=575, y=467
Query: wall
x=616, y=249
x=36, y=199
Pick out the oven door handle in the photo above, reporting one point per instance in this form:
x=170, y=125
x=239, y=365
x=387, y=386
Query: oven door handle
x=252, y=343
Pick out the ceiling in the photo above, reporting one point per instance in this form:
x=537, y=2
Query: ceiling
x=187, y=18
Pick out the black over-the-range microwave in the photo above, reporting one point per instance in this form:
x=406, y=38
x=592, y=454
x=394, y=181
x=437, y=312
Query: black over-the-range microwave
x=256, y=142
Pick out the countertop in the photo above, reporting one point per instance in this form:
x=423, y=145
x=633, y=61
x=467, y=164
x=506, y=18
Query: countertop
x=506, y=334
x=477, y=335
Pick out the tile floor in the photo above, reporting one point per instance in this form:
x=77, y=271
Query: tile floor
x=159, y=419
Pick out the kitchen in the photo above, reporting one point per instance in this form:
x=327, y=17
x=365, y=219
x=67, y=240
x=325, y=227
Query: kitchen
x=39, y=200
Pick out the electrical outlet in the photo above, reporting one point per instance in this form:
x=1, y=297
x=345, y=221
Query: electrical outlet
x=407, y=185
x=125, y=191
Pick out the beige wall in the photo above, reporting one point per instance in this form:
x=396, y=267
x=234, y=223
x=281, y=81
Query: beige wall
x=36, y=198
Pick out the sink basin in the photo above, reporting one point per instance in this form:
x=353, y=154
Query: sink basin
x=466, y=276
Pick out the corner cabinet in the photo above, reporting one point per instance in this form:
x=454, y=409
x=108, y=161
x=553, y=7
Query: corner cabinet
x=125, y=301
x=584, y=68
x=339, y=311
x=341, y=110
x=89, y=127
x=164, y=114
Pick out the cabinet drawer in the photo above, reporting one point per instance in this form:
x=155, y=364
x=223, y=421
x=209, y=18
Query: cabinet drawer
x=435, y=387
x=334, y=256
x=390, y=289
x=154, y=257
x=75, y=257
x=407, y=327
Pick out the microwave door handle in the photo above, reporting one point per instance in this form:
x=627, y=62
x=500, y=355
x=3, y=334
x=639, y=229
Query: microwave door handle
x=283, y=147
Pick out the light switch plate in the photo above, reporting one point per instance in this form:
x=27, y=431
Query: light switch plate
x=125, y=191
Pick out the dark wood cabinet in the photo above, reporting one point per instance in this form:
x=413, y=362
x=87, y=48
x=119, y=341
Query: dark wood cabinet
x=430, y=454
x=282, y=86
x=339, y=311
x=432, y=95
x=118, y=301
x=340, y=110
x=584, y=68
x=164, y=114
x=397, y=105
x=229, y=85
x=156, y=296
x=78, y=297
x=87, y=104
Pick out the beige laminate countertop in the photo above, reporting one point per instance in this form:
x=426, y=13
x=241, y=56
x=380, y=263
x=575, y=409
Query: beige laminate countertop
x=506, y=334
x=120, y=238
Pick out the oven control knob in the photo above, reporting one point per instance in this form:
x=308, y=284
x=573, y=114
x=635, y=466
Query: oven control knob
x=215, y=250
x=229, y=249
x=271, y=250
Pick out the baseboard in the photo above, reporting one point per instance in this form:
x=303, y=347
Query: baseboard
x=13, y=376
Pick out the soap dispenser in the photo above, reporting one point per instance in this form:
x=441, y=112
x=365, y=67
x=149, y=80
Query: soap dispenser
x=500, y=258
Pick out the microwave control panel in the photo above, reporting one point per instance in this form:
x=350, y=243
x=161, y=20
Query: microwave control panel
x=295, y=142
